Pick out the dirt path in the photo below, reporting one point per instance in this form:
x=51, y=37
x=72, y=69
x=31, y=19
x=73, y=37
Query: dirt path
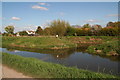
x=10, y=73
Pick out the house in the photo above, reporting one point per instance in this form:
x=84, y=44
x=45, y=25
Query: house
x=31, y=33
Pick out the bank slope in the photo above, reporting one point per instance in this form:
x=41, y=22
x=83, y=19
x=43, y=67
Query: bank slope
x=40, y=69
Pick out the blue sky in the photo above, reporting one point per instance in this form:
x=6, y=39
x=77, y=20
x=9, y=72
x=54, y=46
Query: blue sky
x=60, y=0
x=29, y=15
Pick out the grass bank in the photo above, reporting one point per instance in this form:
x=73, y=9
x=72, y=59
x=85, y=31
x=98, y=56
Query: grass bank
x=37, y=42
x=52, y=42
x=40, y=69
x=110, y=48
x=102, y=45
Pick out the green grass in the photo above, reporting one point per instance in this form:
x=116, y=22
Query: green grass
x=40, y=69
x=37, y=42
x=109, y=48
x=51, y=42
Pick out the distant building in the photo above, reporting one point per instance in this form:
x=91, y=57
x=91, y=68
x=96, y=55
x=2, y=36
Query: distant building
x=31, y=33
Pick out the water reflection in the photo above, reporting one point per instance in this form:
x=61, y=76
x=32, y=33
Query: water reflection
x=13, y=50
x=61, y=53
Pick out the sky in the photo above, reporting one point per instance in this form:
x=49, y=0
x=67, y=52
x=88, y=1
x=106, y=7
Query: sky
x=29, y=15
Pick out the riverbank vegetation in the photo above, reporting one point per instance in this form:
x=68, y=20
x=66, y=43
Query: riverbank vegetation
x=102, y=45
x=39, y=69
x=110, y=48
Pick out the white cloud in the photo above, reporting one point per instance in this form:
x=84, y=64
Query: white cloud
x=16, y=18
x=45, y=4
x=39, y=7
x=113, y=15
x=92, y=21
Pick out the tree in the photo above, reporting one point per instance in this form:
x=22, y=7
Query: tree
x=117, y=24
x=48, y=31
x=59, y=27
x=23, y=33
x=110, y=24
x=39, y=30
x=9, y=29
x=109, y=31
x=86, y=26
x=95, y=29
x=71, y=31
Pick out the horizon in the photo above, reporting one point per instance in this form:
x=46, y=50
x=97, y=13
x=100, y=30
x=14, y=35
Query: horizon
x=29, y=15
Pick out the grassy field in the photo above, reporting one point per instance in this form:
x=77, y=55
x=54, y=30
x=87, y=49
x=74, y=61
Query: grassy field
x=102, y=45
x=38, y=42
x=39, y=69
x=51, y=42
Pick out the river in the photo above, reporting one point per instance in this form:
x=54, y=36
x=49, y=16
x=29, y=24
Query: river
x=72, y=58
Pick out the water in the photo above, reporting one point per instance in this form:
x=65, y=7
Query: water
x=72, y=58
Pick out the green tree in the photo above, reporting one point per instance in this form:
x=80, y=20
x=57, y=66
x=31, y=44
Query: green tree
x=86, y=26
x=23, y=33
x=113, y=24
x=47, y=31
x=81, y=32
x=71, y=31
x=95, y=29
x=110, y=24
x=109, y=31
x=9, y=29
x=39, y=30
x=59, y=27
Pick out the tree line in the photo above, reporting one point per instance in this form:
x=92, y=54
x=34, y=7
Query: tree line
x=63, y=28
